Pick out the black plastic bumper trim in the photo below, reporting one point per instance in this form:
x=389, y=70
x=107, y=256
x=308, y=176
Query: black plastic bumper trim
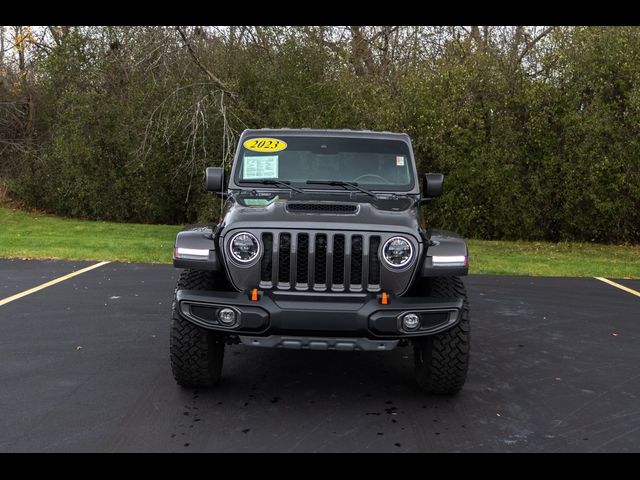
x=311, y=314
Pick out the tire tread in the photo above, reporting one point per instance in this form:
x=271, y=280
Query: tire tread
x=196, y=355
x=442, y=360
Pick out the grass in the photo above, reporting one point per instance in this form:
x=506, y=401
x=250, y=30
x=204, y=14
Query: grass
x=554, y=259
x=35, y=235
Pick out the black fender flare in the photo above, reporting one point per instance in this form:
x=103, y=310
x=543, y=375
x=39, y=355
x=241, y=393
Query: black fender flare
x=449, y=251
x=195, y=248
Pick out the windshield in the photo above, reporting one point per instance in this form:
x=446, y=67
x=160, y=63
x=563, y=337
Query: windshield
x=371, y=163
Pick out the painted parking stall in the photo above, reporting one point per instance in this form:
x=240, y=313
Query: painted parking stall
x=84, y=367
x=50, y=283
x=17, y=275
x=619, y=285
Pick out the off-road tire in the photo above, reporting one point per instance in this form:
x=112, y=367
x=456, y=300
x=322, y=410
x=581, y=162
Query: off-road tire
x=196, y=354
x=442, y=360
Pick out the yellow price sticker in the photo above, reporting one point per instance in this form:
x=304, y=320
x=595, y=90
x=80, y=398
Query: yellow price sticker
x=264, y=145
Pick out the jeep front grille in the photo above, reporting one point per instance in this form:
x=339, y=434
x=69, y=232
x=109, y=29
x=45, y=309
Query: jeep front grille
x=339, y=262
x=266, y=265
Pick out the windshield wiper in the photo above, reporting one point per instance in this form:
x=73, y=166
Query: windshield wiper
x=276, y=182
x=340, y=183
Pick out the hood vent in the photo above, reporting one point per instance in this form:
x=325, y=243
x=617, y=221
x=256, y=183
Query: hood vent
x=322, y=208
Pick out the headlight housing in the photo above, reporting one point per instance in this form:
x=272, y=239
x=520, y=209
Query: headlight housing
x=397, y=252
x=244, y=247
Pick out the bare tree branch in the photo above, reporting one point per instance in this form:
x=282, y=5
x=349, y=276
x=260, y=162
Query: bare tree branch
x=533, y=42
x=197, y=61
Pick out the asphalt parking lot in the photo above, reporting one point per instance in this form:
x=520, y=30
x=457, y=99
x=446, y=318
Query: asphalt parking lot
x=84, y=366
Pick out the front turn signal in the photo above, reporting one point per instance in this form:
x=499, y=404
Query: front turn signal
x=384, y=299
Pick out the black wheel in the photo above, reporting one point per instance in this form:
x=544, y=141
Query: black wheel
x=196, y=354
x=442, y=360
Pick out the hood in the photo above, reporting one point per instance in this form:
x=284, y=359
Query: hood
x=321, y=210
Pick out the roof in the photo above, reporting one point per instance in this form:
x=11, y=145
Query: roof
x=345, y=132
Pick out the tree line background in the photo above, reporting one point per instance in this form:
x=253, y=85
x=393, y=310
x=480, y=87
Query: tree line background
x=536, y=128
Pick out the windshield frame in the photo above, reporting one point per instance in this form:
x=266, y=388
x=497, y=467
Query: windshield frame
x=236, y=183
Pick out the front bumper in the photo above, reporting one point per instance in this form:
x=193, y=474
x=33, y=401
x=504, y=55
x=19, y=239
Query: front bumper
x=312, y=314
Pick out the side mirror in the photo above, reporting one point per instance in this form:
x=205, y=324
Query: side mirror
x=214, y=179
x=432, y=185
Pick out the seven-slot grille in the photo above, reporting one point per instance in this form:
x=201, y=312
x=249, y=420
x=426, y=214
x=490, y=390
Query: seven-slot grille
x=320, y=261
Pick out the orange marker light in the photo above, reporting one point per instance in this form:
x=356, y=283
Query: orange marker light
x=254, y=295
x=385, y=299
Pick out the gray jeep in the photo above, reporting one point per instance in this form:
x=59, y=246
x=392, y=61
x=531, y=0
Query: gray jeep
x=321, y=245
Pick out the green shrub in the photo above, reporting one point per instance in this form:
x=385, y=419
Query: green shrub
x=126, y=122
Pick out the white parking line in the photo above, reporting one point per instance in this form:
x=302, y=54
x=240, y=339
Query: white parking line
x=4, y=301
x=617, y=285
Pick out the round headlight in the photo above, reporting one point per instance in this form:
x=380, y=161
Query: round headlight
x=244, y=247
x=397, y=252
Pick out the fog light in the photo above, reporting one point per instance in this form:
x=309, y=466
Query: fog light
x=410, y=321
x=227, y=316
